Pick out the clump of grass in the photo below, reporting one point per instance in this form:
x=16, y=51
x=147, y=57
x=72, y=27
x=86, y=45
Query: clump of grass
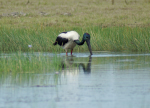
x=28, y=62
x=25, y=68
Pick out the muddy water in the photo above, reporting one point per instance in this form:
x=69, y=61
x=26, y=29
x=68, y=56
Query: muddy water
x=105, y=80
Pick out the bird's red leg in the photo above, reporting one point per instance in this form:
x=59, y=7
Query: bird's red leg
x=71, y=51
x=66, y=52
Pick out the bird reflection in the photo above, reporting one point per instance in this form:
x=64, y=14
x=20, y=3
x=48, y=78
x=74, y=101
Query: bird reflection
x=87, y=69
x=69, y=63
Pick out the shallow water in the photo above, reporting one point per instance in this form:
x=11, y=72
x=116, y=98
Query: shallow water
x=105, y=80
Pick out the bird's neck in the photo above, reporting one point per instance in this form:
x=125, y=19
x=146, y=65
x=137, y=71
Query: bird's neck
x=78, y=42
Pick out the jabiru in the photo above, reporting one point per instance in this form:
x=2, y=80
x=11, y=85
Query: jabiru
x=68, y=40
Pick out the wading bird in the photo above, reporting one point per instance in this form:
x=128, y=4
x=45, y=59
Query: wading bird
x=68, y=40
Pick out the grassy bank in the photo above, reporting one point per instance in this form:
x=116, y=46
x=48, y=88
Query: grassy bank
x=102, y=39
x=123, y=26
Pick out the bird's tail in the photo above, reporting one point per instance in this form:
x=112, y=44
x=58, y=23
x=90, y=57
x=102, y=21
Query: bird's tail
x=55, y=43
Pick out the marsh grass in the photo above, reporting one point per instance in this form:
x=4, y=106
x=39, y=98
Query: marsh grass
x=119, y=27
x=29, y=68
x=102, y=39
x=121, y=39
x=28, y=62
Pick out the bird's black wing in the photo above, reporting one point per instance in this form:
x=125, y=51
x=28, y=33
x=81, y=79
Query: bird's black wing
x=61, y=41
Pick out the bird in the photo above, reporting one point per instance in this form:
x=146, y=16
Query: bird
x=68, y=40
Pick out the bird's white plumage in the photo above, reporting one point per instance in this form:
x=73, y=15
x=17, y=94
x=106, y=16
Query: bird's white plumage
x=71, y=35
x=69, y=45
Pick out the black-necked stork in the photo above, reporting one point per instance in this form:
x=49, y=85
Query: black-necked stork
x=68, y=40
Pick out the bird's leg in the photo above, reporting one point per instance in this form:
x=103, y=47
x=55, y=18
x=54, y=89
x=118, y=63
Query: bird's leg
x=71, y=51
x=66, y=52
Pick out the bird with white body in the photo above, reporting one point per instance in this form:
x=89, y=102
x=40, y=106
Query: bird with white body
x=68, y=40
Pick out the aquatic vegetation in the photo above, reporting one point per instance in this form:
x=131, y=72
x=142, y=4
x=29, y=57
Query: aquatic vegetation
x=28, y=62
x=30, y=68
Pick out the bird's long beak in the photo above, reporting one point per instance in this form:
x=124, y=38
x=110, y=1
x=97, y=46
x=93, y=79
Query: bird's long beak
x=89, y=46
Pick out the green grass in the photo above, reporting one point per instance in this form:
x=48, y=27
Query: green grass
x=123, y=26
x=26, y=68
x=102, y=39
x=28, y=62
x=121, y=39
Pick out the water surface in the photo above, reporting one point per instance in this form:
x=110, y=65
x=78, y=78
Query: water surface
x=104, y=80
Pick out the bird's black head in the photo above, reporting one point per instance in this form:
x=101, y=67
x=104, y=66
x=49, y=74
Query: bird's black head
x=86, y=37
